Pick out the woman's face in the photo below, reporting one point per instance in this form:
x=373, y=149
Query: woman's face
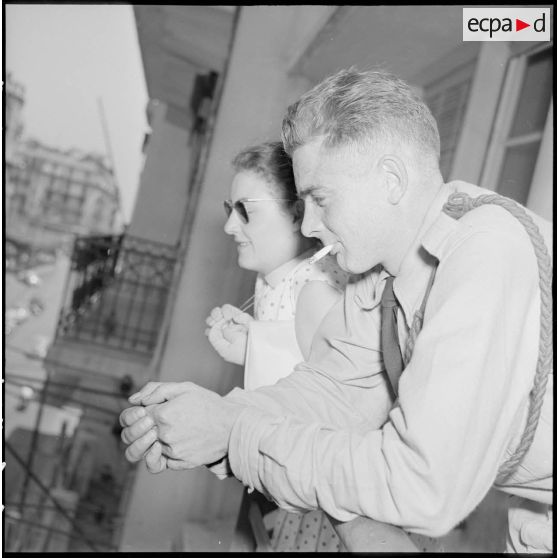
x=270, y=238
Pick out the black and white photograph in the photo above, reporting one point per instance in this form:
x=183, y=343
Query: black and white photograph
x=279, y=278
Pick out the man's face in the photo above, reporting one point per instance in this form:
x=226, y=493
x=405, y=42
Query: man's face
x=344, y=202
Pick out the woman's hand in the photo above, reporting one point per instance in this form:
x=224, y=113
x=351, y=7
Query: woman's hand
x=228, y=332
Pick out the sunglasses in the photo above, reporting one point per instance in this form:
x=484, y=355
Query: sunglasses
x=240, y=208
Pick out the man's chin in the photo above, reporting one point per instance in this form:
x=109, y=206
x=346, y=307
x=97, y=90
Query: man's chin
x=349, y=266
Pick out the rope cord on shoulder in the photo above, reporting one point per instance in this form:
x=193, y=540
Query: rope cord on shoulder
x=457, y=205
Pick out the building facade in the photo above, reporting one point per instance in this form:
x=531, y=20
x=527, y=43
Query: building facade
x=56, y=195
x=51, y=198
x=14, y=103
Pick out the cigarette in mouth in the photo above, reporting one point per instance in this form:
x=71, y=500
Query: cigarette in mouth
x=320, y=254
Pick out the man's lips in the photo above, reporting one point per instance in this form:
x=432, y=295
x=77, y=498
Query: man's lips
x=336, y=248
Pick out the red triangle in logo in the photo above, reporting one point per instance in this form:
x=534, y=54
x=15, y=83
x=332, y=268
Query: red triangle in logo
x=519, y=25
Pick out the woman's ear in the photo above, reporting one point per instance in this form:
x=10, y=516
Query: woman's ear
x=396, y=178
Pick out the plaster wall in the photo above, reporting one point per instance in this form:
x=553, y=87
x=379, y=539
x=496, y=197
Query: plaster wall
x=256, y=92
x=162, y=193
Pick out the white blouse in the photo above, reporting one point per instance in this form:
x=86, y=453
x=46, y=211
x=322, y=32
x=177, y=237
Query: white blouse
x=272, y=349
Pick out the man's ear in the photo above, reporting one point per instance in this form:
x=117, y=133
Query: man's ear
x=396, y=177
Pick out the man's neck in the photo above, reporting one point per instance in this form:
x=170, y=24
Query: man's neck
x=415, y=219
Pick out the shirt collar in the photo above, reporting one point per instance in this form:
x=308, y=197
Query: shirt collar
x=279, y=273
x=369, y=288
x=411, y=282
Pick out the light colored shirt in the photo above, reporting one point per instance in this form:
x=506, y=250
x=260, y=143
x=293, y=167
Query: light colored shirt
x=314, y=440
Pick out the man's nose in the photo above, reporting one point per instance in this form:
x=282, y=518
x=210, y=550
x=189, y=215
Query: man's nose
x=311, y=222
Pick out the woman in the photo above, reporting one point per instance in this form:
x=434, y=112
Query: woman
x=292, y=296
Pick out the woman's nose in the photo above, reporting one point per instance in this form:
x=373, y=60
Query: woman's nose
x=232, y=223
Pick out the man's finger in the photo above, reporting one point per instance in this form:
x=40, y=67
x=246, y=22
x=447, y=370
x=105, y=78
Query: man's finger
x=145, y=390
x=137, y=450
x=154, y=459
x=165, y=392
x=178, y=464
x=136, y=430
x=131, y=415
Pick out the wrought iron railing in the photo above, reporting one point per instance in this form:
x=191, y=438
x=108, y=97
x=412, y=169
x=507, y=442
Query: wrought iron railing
x=117, y=292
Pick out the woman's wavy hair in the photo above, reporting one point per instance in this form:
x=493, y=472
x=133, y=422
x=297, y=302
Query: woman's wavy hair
x=270, y=160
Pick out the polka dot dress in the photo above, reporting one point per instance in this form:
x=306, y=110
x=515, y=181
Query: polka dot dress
x=278, y=302
x=312, y=531
x=309, y=532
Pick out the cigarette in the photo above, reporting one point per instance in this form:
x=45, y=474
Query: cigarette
x=320, y=254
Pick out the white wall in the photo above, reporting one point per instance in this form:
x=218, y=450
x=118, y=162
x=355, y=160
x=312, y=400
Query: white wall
x=162, y=194
x=255, y=95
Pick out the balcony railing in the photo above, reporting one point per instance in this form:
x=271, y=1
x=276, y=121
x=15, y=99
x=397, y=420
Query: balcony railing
x=117, y=292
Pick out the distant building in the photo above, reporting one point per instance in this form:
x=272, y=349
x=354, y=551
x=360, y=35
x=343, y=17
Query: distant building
x=14, y=101
x=54, y=198
x=56, y=195
x=52, y=195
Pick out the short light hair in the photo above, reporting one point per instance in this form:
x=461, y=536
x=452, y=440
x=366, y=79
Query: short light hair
x=352, y=106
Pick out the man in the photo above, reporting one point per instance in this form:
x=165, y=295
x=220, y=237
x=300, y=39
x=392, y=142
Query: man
x=365, y=153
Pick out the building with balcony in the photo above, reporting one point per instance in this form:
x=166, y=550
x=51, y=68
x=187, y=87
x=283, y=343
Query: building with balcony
x=14, y=102
x=56, y=195
x=121, y=288
x=220, y=78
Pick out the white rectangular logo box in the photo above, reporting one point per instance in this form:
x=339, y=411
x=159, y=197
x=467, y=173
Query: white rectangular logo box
x=506, y=24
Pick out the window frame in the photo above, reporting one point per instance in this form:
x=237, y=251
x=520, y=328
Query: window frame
x=503, y=122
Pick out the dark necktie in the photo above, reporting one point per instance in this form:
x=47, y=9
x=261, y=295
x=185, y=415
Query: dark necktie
x=393, y=361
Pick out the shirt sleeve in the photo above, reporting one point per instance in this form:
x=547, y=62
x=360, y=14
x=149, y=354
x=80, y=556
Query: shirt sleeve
x=461, y=398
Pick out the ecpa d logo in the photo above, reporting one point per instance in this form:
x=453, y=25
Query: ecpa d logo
x=506, y=24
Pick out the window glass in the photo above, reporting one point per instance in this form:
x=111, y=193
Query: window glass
x=521, y=148
x=534, y=98
x=517, y=171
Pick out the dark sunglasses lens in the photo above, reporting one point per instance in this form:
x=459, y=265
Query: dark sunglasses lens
x=228, y=208
x=241, y=209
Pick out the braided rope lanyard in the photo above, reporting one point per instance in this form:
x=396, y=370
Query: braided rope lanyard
x=457, y=205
